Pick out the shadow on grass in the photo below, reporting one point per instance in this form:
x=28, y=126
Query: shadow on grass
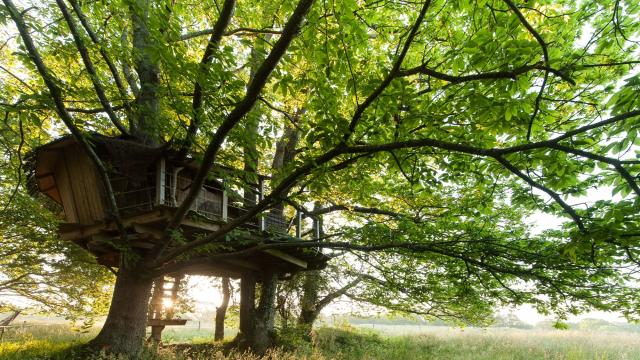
x=167, y=352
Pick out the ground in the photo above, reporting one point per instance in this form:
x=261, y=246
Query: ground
x=348, y=342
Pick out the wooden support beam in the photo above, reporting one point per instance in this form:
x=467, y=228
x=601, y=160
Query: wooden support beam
x=316, y=228
x=225, y=205
x=148, y=230
x=86, y=231
x=174, y=186
x=166, y=322
x=286, y=257
x=160, y=181
x=243, y=264
x=200, y=225
x=263, y=219
x=155, y=311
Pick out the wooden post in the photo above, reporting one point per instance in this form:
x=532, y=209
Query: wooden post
x=298, y=224
x=260, y=189
x=160, y=181
x=156, y=333
x=316, y=228
x=263, y=219
x=156, y=300
x=174, y=186
x=174, y=295
x=225, y=205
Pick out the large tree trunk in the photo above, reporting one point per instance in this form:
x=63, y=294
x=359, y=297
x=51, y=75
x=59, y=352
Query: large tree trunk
x=247, y=310
x=263, y=332
x=124, y=329
x=308, y=303
x=311, y=286
x=221, y=310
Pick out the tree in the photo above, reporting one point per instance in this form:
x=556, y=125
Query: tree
x=426, y=116
x=221, y=311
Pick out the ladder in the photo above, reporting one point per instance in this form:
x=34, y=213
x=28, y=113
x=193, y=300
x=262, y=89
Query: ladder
x=163, y=304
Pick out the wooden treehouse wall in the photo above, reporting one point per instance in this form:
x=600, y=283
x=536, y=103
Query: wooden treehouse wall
x=78, y=184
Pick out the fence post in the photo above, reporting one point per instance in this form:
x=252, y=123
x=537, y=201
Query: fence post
x=298, y=224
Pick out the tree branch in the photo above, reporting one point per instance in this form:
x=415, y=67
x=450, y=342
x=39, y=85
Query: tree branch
x=568, y=209
x=395, y=71
x=214, y=40
x=93, y=75
x=254, y=88
x=491, y=75
x=195, y=34
x=545, y=54
x=56, y=95
x=617, y=164
x=359, y=209
x=110, y=64
x=327, y=299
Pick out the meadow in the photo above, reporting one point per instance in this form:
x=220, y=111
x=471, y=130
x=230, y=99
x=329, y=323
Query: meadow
x=348, y=342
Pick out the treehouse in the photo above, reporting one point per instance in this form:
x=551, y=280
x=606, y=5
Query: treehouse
x=148, y=185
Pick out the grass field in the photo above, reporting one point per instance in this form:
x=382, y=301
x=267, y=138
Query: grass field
x=58, y=342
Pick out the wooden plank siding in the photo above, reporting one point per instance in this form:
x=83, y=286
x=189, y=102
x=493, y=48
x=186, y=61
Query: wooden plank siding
x=79, y=187
x=66, y=192
x=83, y=180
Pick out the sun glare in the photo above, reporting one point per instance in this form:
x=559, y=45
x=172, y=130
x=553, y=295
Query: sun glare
x=204, y=292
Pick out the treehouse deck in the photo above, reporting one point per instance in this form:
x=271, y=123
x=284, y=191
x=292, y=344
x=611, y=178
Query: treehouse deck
x=149, y=185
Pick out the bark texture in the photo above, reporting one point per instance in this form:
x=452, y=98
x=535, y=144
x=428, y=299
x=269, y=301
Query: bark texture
x=264, y=330
x=221, y=311
x=124, y=329
x=247, y=308
x=308, y=309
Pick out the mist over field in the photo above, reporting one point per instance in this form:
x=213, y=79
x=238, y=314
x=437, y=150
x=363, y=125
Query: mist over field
x=349, y=337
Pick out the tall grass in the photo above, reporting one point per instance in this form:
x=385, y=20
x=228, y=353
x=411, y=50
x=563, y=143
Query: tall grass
x=58, y=342
x=39, y=341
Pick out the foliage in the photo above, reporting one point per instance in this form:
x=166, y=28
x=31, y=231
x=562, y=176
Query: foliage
x=38, y=270
x=435, y=130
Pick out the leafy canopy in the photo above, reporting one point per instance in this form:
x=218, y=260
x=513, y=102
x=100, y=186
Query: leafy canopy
x=435, y=129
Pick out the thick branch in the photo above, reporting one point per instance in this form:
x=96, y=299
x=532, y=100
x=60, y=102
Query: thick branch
x=545, y=53
x=617, y=164
x=112, y=67
x=195, y=34
x=336, y=294
x=395, y=70
x=93, y=75
x=359, y=209
x=148, y=69
x=214, y=40
x=568, y=209
x=408, y=246
x=490, y=75
x=93, y=111
x=254, y=88
x=569, y=134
